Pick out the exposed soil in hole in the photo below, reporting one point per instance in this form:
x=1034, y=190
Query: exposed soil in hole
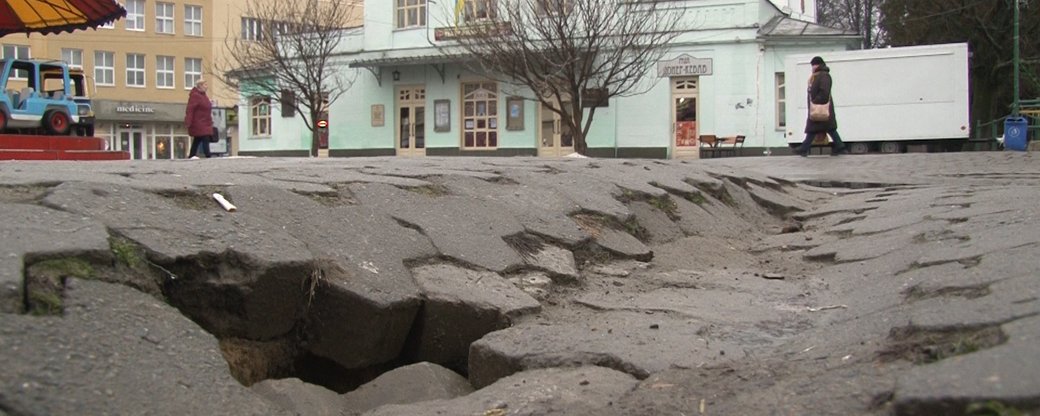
x=922, y=346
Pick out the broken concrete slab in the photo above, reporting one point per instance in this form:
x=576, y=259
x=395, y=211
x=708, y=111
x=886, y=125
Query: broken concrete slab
x=582, y=391
x=1002, y=374
x=633, y=342
x=300, y=398
x=460, y=306
x=33, y=233
x=413, y=383
x=89, y=360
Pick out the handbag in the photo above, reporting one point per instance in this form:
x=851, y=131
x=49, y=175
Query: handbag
x=820, y=112
x=215, y=137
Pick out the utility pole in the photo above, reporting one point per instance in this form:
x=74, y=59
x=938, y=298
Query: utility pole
x=1014, y=61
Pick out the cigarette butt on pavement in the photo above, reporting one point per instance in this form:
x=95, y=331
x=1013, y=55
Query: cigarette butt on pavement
x=224, y=203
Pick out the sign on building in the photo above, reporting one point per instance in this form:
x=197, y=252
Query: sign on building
x=684, y=66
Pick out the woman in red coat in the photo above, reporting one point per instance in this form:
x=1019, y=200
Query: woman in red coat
x=820, y=93
x=198, y=119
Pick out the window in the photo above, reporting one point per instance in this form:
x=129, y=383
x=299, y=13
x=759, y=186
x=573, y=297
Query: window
x=554, y=6
x=72, y=57
x=164, y=71
x=192, y=72
x=104, y=68
x=781, y=101
x=164, y=18
x=134, y=70
x=251, y=29
x=19, y=52
x=134, y=15
x=260, y=116
x=479, y=115
x=192, y=20
x=411, y=13
x=476, y=10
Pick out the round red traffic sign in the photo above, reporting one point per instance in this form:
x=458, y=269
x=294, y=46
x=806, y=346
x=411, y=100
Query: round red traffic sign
x=323, y=123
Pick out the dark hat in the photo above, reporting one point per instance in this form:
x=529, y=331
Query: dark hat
x=816, y=60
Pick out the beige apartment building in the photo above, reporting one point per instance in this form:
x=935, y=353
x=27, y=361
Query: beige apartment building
x=142, y=67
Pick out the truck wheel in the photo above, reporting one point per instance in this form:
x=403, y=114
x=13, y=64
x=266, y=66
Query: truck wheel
x=3, y=121
x=88, y=131
x=56, y=123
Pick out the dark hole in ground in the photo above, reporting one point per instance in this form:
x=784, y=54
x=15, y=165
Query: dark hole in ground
x=925, y=346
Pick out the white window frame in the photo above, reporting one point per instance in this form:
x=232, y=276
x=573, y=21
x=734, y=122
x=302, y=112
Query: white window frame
x=72, y=57
x=104, y=68
x=135, y=67
x=479, y=116
x=479, y=10
x=19, y=52
x=252, y=28
x=134, y=15
x=410, y=14
x=192, y=20
x=165, y=72
x=192, y=72
x=546, y=7
x=781, y=101
x=164, y=16
x=259, y=121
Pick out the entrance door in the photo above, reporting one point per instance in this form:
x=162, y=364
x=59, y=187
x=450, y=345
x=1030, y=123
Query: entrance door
x=555, y=136
x=411, y=121
x=131, y=139
x=684, y=118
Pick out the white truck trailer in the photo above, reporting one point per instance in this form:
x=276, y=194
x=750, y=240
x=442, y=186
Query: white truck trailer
x=890, y=100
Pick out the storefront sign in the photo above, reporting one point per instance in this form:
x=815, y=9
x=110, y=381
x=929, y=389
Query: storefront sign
x=135, y=109
x=684, y=66
x=471, y=30
x=138, y=111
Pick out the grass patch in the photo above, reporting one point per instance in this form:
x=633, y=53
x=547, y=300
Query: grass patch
x=66, y=267
x=126, y=252
x=44, y=303
x=663, y=203
x=992, y=408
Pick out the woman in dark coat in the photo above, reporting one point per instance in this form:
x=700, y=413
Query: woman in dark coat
x=820, y=93
x=198, y=119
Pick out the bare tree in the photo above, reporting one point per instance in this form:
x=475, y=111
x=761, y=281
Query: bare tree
x=861, y=16
x=572, y=55
x=986, y=25
x=286, y=53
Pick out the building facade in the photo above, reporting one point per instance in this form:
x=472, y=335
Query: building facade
x=142, y=67
x=724, y=77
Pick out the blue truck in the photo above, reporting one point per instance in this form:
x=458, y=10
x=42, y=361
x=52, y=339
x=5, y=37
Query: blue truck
x=44, y=97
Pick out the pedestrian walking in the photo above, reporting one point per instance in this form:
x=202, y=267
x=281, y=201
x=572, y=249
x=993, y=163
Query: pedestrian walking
x=198, y=119
x=819, y=93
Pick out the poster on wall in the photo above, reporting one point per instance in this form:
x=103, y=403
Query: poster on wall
x=441, y=115
x=377, y=115
x=515, y=118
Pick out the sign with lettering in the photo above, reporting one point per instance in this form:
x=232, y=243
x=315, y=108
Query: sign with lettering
x=134, y=108
x=684, y=66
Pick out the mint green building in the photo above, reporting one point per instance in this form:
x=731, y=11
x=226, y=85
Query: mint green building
x=723, y=78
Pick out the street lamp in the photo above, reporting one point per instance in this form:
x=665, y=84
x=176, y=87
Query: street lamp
x=397, y=75
x=1014, y=62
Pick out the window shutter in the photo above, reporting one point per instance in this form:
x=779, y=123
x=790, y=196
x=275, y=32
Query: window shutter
x=288, y=103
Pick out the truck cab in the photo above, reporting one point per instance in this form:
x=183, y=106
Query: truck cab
x=44, y=96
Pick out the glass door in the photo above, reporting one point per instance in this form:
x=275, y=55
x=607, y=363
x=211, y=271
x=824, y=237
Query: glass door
x=411, y=121
x=132, y=140
x=555, y=137
x=684, y=118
